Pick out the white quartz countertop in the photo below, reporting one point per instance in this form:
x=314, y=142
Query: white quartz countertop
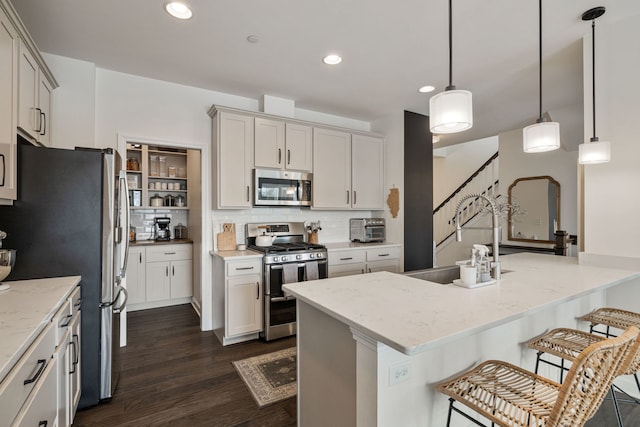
x=237, y=254
x=413, y=315
x=25, y=309
x=335, y=246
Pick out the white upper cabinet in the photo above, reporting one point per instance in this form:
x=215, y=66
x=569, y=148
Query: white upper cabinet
x=367, y=169
x=299, y=144
x=233, y=136
x=282, y=145
x=8, y=107
x=269, y=143
x=347, y=171
x=34, y=99
x=331, y=169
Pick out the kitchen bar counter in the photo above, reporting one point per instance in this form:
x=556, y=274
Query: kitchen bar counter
x=25, y=309
x=392, y=337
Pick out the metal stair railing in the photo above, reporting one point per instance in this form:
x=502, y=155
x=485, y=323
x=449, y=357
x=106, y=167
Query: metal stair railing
x=483, y=181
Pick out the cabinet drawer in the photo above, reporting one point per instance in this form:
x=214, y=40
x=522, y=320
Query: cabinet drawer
x=239, y=268
x=13, y=390
x=345, y=257
x=61, y=320
x=169, y=253
x=378, y=254
x=40, y=409
x=76, y=301
x=346, y=269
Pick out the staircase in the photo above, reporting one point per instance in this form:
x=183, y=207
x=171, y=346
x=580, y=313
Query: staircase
x=483, y=181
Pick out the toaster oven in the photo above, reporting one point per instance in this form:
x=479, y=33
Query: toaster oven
x=366, y=230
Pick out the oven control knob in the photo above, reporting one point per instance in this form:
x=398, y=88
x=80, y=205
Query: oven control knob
x=275, y=259
x=312, y=255
x=319, y=255
x=284, y=258
x=298, y=257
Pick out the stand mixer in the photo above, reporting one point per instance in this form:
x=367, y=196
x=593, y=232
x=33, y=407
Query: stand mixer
x=7, y=259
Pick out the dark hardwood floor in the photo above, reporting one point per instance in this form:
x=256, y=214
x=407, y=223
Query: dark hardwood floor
x=174, y=374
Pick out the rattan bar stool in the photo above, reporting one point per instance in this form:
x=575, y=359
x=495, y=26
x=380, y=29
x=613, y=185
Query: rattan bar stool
x=617, y=319
x=511, y=396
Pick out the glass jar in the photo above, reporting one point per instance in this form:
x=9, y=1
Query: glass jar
x=162, y=165
x=153, y=165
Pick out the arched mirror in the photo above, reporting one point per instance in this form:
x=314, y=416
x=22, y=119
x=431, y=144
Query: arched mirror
x=535, y=209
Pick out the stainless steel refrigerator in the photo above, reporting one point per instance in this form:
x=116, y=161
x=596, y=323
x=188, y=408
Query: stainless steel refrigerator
x=72, y=218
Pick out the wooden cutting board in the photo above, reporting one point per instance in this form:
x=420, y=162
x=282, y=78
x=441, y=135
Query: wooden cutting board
x=227, y=239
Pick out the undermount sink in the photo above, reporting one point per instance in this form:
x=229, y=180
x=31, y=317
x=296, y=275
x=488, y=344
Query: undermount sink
x=443, y=275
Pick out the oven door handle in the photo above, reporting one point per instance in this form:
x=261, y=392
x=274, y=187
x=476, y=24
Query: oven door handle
x=281, y=299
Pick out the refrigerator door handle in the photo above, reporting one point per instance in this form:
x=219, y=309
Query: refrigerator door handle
x=119, y=309
x=115, y=300
x=125, y=195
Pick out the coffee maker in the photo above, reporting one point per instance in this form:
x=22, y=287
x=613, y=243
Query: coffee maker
x=162, y=230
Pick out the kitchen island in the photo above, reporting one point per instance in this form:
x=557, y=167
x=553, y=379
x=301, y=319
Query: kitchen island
x=371, y=347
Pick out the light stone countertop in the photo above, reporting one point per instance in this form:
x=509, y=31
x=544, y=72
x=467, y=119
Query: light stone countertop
x=412, y=315
x=335, y=246
x=25, y=309
x=237, y=255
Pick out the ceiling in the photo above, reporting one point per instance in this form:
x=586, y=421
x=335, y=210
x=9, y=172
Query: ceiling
x=389, y=48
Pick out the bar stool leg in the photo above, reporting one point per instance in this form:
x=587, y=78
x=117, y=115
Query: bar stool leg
x=615, y=405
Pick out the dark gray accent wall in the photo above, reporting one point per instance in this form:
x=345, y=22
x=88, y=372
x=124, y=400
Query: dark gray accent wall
x=418, y=184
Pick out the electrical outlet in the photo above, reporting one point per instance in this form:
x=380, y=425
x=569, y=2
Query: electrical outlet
x=399, y=373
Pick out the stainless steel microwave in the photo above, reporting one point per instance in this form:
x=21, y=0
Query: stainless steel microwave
x=281, y=188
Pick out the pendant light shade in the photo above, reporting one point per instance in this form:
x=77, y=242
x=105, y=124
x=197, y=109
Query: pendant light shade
x=450, y=111
x=594, y=151
x=541, y=136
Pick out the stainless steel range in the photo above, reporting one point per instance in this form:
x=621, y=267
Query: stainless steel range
x=287, y=259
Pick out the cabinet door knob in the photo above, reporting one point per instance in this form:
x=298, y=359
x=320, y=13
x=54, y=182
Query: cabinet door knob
x=248, y=193
x=43, y=122
x=347, y=196
x=279, y=155
x=257, y=290
x=288, y=157
x=166, y=271
x=354, y=197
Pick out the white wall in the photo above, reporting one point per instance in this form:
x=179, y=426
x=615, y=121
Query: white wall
x=73, y=123
x=559, y=164
x=454, y=164
x=393, y=129
x=611, y=198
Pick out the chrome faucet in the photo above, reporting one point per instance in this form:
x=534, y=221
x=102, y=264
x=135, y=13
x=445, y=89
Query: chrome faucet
x=495, y=264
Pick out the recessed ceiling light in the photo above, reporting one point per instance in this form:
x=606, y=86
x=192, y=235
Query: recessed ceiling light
x=426, y=89
x=178, y=10
x=332, y=59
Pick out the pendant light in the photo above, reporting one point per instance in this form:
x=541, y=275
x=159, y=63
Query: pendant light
x=543, y=135
x=450, y=111
x=594, y=151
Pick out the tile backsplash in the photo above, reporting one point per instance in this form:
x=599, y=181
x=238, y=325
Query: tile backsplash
x=335, y=224
x=142, y=220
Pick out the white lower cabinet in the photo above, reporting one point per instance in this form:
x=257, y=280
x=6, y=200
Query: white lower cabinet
x=39, y=390
x=241, y=282
x=159, y=275
x=40, y=409
x=136, y=275
x=347, y=262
